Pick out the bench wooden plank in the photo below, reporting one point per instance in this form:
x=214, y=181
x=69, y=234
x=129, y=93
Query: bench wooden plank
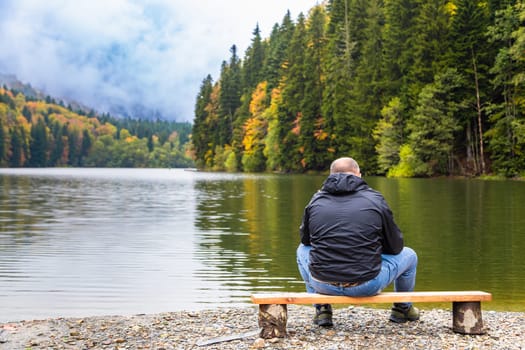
x=466, y=307
x=385, y=297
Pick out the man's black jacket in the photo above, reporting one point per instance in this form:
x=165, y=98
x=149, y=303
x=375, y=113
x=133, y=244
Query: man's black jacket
x=349, y=225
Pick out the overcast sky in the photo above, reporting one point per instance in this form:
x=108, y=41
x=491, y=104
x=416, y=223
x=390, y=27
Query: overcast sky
x=103, y=52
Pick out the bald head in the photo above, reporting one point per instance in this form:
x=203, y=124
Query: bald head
x=345, y=165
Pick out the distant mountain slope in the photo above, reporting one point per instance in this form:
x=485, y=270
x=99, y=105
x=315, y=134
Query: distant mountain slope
x=39, y=132
x=134, y=111
x=11, y=82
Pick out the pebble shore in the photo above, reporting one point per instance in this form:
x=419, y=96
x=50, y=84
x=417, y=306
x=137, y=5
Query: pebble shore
x=354, y=328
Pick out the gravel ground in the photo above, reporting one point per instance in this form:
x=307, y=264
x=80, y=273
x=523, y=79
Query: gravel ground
x=354, y=328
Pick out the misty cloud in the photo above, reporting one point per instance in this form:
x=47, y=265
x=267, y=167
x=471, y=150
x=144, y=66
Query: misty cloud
x=129, y=53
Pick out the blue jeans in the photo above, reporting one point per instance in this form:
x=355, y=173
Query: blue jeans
x=400, y=269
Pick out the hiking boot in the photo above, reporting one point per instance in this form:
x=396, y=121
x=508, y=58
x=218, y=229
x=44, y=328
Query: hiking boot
x=401, y=314
x=323, y=315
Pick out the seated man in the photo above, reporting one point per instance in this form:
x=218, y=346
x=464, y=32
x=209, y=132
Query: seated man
x=350, y=244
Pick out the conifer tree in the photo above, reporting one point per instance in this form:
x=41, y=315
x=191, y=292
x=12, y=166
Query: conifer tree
x=357, y=24
x=18, y=154
x=432, y=127
x=429, y=46
x=252, y=67
x=3, y=145
x=59, y=136
x=230, y=96
x=27, y=114
x=471, y=55
x=276, y=52
x=398, y=38
x=73, y=147
x=506, y=137
x=87, y=142
x=368, y=92
x=38, y=144
x=312, y=138
x=200, y=131
x=289, y=113
x=340, y=71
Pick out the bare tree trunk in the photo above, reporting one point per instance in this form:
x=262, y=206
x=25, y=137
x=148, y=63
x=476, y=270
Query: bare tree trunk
x=478, y=109
x=472, y=159
x=348, y=45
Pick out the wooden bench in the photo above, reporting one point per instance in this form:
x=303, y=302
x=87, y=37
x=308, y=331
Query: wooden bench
x=466, y=307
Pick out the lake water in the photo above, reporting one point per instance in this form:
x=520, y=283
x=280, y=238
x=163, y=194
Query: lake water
x=81, y=242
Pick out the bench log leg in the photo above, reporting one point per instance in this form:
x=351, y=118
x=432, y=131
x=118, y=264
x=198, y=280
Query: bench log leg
x=272, y=320
x=466, y=318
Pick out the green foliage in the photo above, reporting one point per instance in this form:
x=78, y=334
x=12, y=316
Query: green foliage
x=254, y=162
x=339, y=70
x=389, y=135
x=230, y=164
x=289, y=112
x=409, y=165
x=398, y=36
x=229, y=96
x=275, y=56
x=253, y=61
x=220, y=157
x=38, y=145
x=430, y=45
x=506, y=140
x=311, y=143
x=3, y=145
x=431, y=128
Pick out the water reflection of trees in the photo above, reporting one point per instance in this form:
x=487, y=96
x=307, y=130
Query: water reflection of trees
x=258, y=217
x=468, y=233
x=20, y=222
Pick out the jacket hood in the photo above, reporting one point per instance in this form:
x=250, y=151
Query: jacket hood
x=340, y=183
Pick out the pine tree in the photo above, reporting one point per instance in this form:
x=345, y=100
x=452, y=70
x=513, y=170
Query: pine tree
x=340, y=71
x=398, y=38
x=73, y=147
x=276, y=52
x=429, y=46
x=38, y=144
x=59, y=136
x=357, y=25
x=252, y=67
x=432, y=127
x=470, y=53
x=230, y=96
x=506, y=137
x=27, y=114
x=289, y=113
x=18, y=153
x=87, y=142
x=200, y=132
x=3, y=145
x=312, y=139
x=368, y=92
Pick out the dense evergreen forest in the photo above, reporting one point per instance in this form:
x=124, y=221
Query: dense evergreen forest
x=406, y=87
x=41, y=133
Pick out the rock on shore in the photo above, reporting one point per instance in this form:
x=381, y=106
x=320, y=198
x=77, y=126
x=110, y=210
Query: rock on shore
x=354, y=328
